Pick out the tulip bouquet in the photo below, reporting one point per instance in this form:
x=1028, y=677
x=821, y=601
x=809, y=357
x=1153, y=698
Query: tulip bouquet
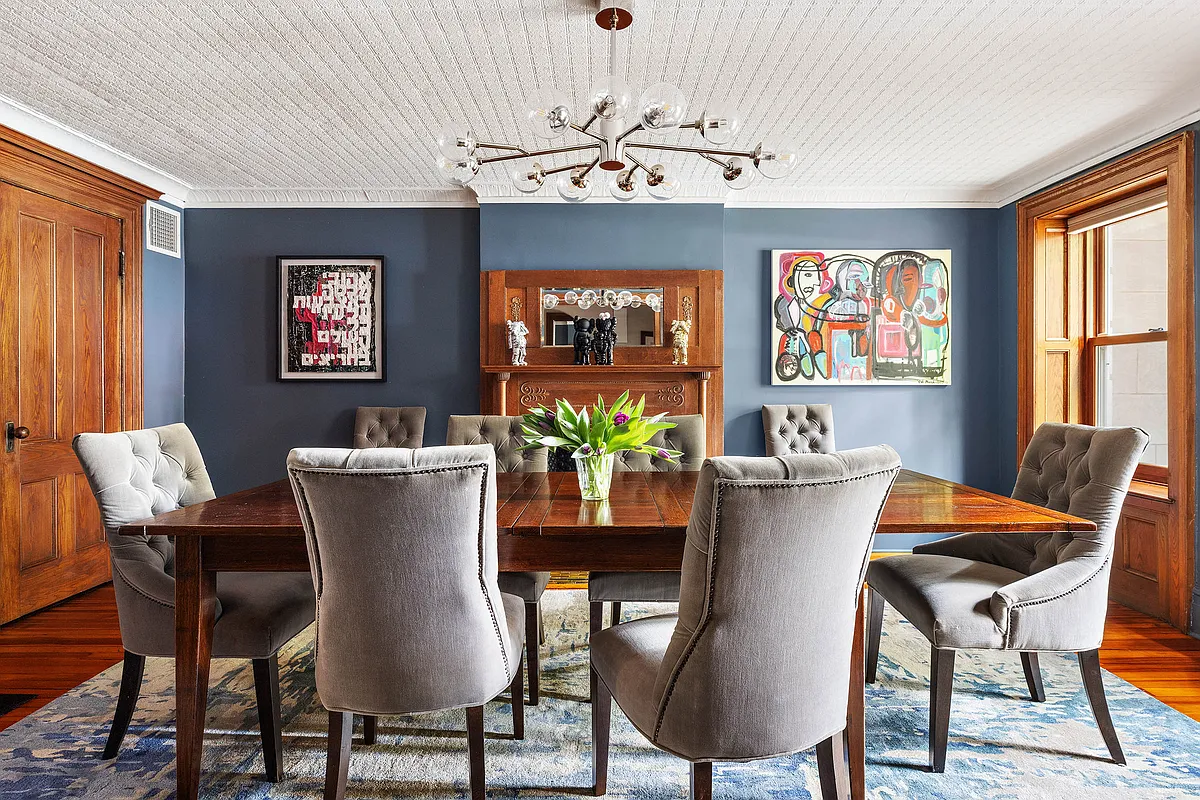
x=594, y=435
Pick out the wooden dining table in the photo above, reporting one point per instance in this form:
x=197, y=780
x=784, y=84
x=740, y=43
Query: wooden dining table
x=543, y=524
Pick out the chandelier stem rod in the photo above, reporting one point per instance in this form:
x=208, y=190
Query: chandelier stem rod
x=632, y=129
x=637, y=164
x=498, y=146
x=583, y=129
x=682, y=149
x=590, y=167
x=533, y=153
x=556, y=170
x=716, y=160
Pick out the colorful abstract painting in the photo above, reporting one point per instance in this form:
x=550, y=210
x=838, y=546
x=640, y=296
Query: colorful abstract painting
x=330, y=318
x=860, y=317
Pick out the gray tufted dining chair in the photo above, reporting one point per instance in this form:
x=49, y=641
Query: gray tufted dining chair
x=688, y=436
x=410, y=619
x=756, y=664
x=135, y=475
x=505, y=436
x=1029, y=592
x=389, y=426
x=798, y=429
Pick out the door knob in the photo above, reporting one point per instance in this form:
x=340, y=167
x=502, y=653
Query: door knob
x=12, y=432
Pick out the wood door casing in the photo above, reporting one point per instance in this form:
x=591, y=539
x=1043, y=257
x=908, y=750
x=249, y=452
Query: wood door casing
x=61, y=264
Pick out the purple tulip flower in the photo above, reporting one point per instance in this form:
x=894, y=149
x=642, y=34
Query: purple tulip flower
x=663, y=453
x=621, y=418
x=585, y=450
x=550, y=417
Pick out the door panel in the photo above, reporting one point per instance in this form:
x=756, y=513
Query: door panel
x=63, y=262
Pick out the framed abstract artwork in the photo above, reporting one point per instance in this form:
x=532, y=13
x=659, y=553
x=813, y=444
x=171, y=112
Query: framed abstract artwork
x=846, y=317
x=331, y=318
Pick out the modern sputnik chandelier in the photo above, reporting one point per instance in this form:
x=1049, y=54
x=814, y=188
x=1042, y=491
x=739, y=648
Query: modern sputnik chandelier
x=610, y=102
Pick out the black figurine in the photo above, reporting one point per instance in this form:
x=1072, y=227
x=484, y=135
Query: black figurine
x=583, y=340
x=604, y=339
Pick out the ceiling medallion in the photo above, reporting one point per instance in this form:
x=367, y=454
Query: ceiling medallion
x=610, y=103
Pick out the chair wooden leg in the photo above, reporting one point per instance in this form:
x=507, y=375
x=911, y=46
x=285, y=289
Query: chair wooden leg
x=832, y=768
x=1033, y=677
x=475, y=750
x=518, y=702
x=601, y=723
x=370, y=732
x=1093, y=682
x=131, y=686
x=595, y=617
x=616, y=612
x=874, y=632
x=337, y=762
x=941, y=689
x=532, y=658
x=701, y=780
x=270, y=727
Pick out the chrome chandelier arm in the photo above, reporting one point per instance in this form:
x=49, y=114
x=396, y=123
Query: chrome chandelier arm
x=638, y=164
x=698, y=150
x=583, y=129
x=583, y=165
x=631, y=129
x=534, y=153
x=498, y=146
x=716, y=160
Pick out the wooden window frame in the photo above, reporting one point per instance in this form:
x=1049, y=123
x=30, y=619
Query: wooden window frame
x=1095, y=322
x=1170, y=162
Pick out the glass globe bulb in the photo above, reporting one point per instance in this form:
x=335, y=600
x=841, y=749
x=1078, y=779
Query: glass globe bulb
x=574, y=190
x=459, y=173
x=739, y=174
x=528, y=179
x=661, y=183
x=775, y=160
x=549, y=114
x=456, y=142
x=662, y=106
x=571, y=297
x=720, y=123
x=610, y=98
x=623, y=186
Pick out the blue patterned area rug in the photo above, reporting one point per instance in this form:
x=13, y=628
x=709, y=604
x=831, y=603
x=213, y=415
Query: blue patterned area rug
x=1001, y=745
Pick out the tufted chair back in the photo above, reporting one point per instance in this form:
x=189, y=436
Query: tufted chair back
x=776, y=553
x=798, y=429
x=135, y=475
x=384, y=426
x=688, y=435
x=502, y=433
x=402, y=546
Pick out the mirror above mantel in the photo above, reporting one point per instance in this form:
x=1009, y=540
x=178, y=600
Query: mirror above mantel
x=644, y=304
x=638, y=313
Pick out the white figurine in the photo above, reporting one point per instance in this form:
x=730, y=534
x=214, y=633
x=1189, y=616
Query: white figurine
x=680, y=328
x=516, y=341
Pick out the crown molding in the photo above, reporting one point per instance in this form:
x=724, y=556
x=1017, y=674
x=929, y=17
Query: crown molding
x=332, y=198
x=1119, y=140
x=38, y=126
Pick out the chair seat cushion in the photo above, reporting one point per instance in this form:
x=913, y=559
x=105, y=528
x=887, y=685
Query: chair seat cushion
x=261, y=612
x=948, y=599
x=634, y=587
x=627, y=657
x=528, y=586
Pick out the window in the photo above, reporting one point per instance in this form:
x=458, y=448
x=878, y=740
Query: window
x=1123, y=248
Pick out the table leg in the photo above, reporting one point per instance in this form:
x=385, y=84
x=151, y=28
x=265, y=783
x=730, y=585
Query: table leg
x=856, y=708
x=195, y=612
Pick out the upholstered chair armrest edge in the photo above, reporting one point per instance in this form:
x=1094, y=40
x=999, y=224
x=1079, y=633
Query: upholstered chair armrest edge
x=1060, y=608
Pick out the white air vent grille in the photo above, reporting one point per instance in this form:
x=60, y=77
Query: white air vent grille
x=162, y=229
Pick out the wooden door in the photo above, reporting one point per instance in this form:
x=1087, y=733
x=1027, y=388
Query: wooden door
x=60, y=348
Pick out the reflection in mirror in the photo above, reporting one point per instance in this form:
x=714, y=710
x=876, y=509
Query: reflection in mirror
x=638, y=313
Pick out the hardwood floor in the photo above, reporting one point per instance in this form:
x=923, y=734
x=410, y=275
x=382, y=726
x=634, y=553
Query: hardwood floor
x=50, y=652
x=53, y=651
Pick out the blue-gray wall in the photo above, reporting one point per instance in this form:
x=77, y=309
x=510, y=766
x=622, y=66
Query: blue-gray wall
x=947, y=431
x=244, y=419
x=162, y=336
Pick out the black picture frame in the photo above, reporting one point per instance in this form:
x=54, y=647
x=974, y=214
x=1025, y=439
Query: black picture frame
x=293, y=272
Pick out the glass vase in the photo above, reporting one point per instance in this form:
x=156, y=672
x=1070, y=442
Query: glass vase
x=595, y=476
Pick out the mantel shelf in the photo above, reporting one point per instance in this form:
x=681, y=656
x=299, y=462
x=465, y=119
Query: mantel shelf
x=590, y=368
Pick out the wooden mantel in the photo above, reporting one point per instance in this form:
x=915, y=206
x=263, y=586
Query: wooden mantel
x=694, y=388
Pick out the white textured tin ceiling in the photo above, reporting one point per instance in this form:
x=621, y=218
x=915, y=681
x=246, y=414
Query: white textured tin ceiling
x=888, y=101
